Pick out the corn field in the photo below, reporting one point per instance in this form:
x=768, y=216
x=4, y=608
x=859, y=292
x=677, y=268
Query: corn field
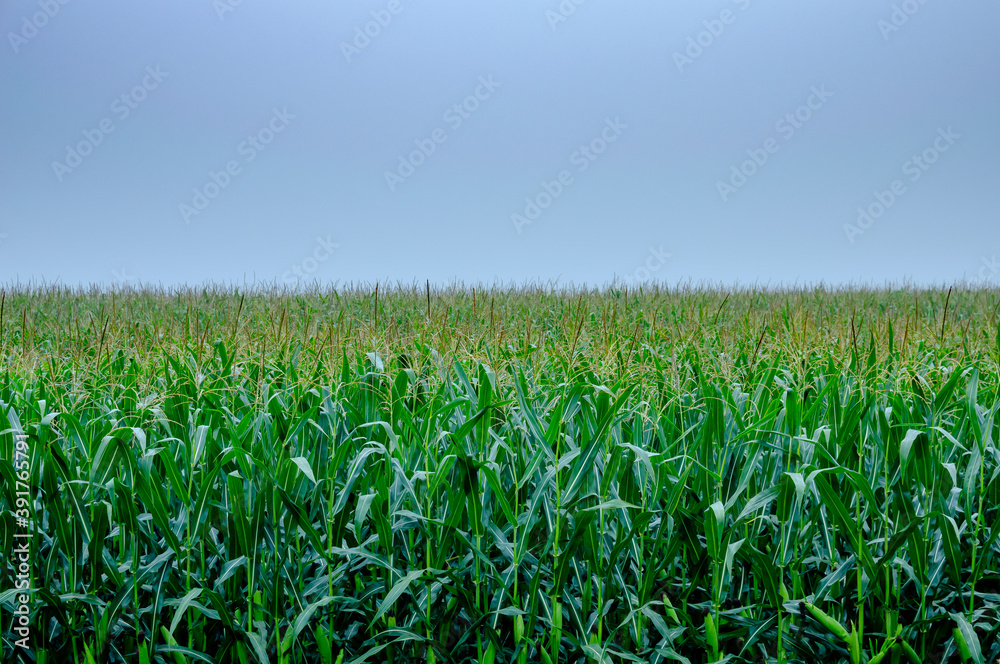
x=499, y=475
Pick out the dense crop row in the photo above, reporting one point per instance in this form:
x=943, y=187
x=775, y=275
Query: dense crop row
x=803, y=482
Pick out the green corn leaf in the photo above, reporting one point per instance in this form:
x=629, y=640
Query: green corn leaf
x=967, y=640
x=186, y=602
x=398, y=588
x=714, y=522
x=303, y=465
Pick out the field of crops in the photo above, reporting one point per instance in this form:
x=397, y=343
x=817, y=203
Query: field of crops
x=499, y=475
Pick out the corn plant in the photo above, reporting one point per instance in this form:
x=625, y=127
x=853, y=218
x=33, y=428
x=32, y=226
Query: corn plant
x=500, y=475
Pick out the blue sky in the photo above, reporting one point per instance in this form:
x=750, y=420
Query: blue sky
x=724, y=141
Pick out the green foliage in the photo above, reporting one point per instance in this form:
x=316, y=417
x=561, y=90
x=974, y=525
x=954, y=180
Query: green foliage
x=504, y=476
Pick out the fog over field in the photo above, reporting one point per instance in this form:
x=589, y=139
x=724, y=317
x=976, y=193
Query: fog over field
x=723, y=141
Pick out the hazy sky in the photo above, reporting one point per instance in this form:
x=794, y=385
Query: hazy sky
x=583, y=140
